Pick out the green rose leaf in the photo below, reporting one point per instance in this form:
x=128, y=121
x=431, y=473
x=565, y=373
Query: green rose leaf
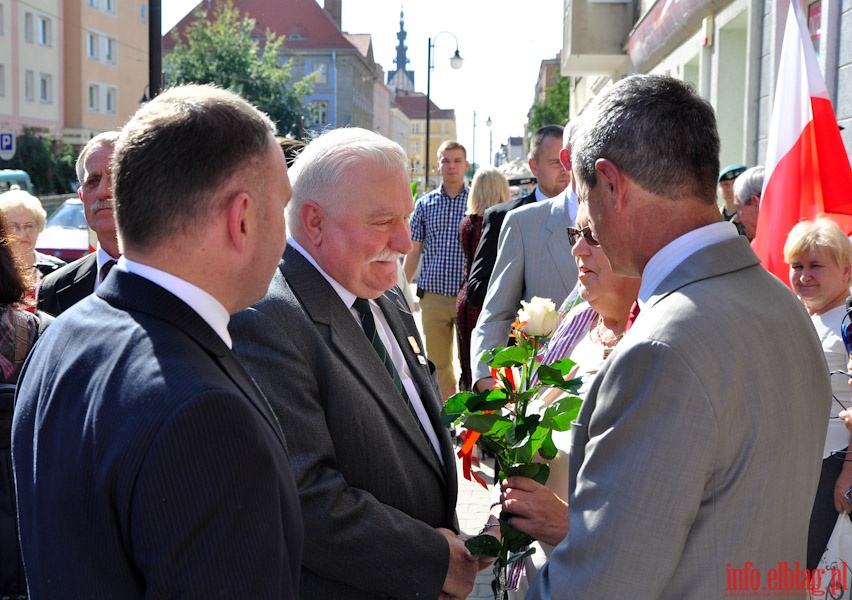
x=513, y=539
x=489, y=355
x=559, y=415
x=547, y=449
x=520, y=555
x=483, y=546
x=491, y=424
x=536, y=471
x=513, y=356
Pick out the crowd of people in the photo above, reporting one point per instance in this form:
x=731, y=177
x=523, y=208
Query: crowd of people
x=234, y=398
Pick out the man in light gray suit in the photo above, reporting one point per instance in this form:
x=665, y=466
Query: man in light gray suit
x=336, y=351
x=696, y=453
x=533, y=259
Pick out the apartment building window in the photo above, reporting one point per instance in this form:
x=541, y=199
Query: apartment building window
x=44, y=33
x=29, y=85
x=28, y=28
x=110, y=6
x=94, y=97
x=2, y=80
x=415, y=128
x=320, y=110
x=45, y=88
x=110, y=46
x=111, y=104
x=2, y=19
x=92, y=45
x=321, y=69
x=92, y=3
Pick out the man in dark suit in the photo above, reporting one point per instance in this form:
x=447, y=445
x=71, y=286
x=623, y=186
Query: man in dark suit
x=374, y=466
x=147, y=462
x=68, y=285
x=545, y=146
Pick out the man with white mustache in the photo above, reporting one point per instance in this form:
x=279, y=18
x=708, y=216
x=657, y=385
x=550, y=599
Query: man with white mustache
x=335, y=349
x=65, y=287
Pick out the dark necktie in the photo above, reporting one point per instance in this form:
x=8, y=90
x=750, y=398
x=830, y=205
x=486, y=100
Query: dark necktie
x=368, y=322
x=105, y=269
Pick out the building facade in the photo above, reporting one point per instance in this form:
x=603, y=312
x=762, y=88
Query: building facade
x=31, y=66
x=729, y=49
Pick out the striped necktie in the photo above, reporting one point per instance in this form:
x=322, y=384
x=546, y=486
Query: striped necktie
x=105, y=269
x=368, y=322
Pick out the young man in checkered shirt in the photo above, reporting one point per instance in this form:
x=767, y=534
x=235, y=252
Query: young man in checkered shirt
x=435, y=235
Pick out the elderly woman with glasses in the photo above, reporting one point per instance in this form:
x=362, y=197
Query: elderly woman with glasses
x=26, y=218
x=598, y=316
x=820, y=259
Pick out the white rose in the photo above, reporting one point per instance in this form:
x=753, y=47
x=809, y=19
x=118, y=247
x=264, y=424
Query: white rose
x=538, y=317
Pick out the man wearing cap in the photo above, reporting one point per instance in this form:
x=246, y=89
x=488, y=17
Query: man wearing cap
x=726, y=189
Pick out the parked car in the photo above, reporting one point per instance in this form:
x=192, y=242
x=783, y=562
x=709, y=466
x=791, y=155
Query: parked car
x=66, y=233
x=10, y=177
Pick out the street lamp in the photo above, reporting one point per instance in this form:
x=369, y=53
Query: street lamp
x=456, y=63
x=490, y=142
x=473, y=146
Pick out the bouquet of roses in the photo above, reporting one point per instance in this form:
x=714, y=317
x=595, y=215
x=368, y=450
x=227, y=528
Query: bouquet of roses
x=501, y=422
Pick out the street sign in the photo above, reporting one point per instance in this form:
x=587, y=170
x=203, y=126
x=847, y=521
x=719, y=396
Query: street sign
x=7, y=145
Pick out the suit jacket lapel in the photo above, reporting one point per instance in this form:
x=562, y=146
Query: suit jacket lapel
x=557, y=241
x=134, y=293
x=393, y=310
x=717, y=259
x=343, y=333
x=81, y=284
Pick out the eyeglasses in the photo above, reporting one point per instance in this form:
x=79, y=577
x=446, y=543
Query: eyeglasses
x=22, y=227
x=748, y=201
x=574, y=236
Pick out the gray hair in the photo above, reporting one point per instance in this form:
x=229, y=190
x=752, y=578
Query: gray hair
x=321, y=171
x=749, y=183
x=658, y=131
x=107, y=138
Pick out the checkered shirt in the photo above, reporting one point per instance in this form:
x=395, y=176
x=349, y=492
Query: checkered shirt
x=435, y=222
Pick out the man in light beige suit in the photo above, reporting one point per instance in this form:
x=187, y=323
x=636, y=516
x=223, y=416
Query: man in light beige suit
x=696, y=453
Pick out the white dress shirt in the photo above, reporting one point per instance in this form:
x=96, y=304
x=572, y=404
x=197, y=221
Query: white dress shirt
x=678, y=250
x=390, y=343
x=207, y=307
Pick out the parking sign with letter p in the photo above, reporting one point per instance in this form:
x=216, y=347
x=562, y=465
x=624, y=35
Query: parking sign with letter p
x=7, y=145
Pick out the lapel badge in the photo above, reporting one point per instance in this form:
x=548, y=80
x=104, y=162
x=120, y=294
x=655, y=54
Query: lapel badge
x=421, y=359
x=414, y=345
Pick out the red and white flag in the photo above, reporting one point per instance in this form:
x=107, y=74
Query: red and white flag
x=807, y=169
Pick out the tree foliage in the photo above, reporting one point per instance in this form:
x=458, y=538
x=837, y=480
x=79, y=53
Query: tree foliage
x=224, y=50
x=49, y=162
x=554, y=109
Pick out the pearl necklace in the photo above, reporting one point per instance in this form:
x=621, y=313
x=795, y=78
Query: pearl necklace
x=608, y=345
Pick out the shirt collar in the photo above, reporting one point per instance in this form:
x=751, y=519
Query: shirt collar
x=203, y=303
x=675, y=252
x=345, y=295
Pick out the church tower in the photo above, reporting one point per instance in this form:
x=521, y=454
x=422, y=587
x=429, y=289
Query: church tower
x=401, y=80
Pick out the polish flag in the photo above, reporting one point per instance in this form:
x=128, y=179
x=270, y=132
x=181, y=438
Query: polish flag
x=807, y=169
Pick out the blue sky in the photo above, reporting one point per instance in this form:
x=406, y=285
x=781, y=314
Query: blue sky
x=502, y=42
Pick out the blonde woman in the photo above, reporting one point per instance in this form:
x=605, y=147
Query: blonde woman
x=488, y=189
x=820, y=259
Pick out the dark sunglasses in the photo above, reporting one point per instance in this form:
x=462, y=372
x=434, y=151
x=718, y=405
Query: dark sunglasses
x=574, y=236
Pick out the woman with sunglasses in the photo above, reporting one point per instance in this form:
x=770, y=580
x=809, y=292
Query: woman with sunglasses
x=820, y=259
x=597, y=320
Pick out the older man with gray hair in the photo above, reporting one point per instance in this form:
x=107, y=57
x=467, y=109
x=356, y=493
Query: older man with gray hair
x=696, y=453
x=65, y=287
x=748, y=188
x=336, y=350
